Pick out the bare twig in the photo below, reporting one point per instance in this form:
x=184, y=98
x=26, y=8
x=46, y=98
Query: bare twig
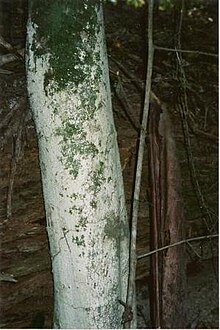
x=212, y=138
x=12, y=120
x=176, y=244
x=7, y=278
x=137, y=82
x=12, y=56
x=194, y=251
x=196, y=52
x=133, y=256
x=13, y=112
x=5, y=44
x=119, y=90
x=184, y=111
x=17, y=146
x=3, y=71
x=7, y=58
x=128, y=156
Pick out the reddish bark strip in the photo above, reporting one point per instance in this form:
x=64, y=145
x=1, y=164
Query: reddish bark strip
x=155, y=219
x=167, y=225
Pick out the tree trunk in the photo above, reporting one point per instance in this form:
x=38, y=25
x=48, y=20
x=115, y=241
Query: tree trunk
x=69, y=95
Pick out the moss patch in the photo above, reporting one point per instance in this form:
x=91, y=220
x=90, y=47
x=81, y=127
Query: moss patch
x=74, y=143
x=97, y=178
x=79, y=241
x=67, y=30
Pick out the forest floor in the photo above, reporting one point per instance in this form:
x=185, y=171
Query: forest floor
x=26, y=278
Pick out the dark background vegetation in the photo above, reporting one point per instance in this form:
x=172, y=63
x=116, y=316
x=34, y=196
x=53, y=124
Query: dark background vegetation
x=26, y=278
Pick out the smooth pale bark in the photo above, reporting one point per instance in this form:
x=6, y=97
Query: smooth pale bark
x=69, y=93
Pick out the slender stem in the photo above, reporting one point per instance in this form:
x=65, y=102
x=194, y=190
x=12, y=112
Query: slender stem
x=197, y=52
x=133, y=257
x=176, y=244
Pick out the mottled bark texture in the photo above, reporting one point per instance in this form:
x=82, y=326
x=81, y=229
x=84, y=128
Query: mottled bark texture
x=69, y=93
x=168, y=276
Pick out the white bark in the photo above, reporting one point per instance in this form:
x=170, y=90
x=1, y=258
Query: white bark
x=82, y=182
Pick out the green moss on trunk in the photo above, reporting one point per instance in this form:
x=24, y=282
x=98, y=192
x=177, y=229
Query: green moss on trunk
x=66, y=29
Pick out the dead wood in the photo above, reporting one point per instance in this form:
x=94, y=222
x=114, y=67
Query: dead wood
x=168, y=276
